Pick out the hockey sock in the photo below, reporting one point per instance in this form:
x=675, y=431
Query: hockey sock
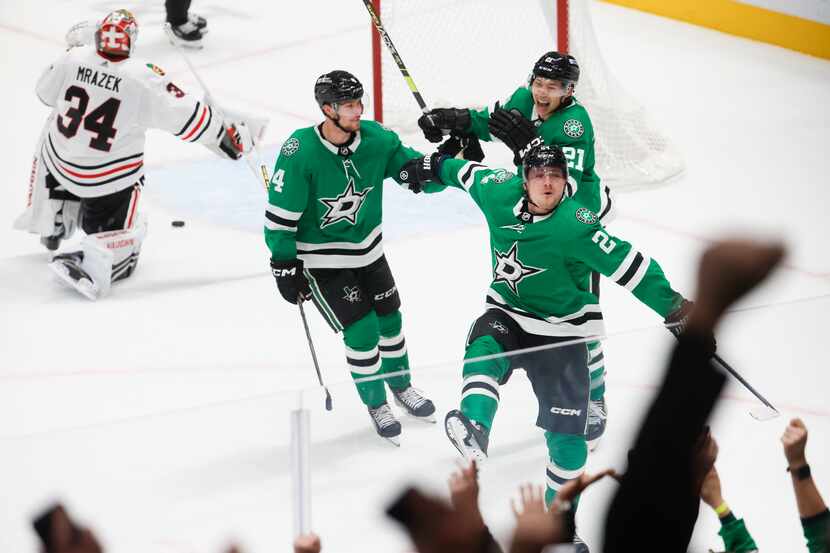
x=567, y=454
x=596, y=364
x=392, y=346
x=363, y=358
x=480, y=389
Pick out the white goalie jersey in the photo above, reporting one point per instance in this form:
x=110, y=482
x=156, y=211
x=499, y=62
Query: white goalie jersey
x=94, y=144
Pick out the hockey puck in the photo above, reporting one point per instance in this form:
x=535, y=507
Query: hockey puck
x=177, y=224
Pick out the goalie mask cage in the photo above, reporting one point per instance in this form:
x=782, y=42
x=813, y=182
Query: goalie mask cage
x=468, y=53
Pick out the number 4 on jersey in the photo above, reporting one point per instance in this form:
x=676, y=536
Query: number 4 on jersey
x=277, y=180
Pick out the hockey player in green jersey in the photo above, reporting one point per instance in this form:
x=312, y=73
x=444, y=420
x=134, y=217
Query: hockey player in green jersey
x=546, y=111
x=543, y=244
x=323, y=227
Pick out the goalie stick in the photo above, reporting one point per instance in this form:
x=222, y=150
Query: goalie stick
x=262, y=172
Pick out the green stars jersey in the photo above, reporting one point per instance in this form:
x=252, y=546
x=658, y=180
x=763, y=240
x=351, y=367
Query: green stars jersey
x=325, y=202
x=570, y=128
x=541, y=262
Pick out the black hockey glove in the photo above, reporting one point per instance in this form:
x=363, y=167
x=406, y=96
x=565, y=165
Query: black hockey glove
x=231, y=143
x=515, y=130
x=434, y=122
x=677, y=321
x=468, y=146
x=416, y=172
x=290, y=280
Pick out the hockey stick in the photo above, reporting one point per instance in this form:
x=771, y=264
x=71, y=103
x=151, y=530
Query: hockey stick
x=761, y=413
x=397, y=57
x=263, y=170
x=410, y=82
x=313, y=353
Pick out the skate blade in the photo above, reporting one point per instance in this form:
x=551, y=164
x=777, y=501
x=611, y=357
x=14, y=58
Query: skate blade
x=89, y=291
x=396, y=441
x=457, y=433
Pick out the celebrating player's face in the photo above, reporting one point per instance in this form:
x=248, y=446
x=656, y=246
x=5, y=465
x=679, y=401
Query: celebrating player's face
x=545, y=186
x=349, y=113
x=547, y=95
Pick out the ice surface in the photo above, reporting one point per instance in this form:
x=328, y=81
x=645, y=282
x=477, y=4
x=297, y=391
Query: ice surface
x=160, y=415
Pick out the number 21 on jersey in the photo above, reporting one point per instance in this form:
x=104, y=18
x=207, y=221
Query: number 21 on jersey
x=575, y=157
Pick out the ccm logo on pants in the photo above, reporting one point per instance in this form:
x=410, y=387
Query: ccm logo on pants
x=565, y=411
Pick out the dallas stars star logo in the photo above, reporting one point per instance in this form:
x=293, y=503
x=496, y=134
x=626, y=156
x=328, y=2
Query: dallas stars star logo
x=510, y=270
x=345, y=206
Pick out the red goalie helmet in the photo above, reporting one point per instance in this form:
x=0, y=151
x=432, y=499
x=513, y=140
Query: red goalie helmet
x=116, y=34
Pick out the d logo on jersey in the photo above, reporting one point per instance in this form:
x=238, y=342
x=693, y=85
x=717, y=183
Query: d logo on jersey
x=510, y=270
x=345, y=206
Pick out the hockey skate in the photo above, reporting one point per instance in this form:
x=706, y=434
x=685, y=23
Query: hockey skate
x=579, y=546
x=597, y=417
x=386, y=424
x=67, y=267
x=199, y=21
x=415, y=404
x=187, y=35
x=469, y=438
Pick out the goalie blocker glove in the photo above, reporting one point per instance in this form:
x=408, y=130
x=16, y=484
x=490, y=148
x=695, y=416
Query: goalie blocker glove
x=435, y=122
x=290, y=280
x=678, y=320
x=231, y=142
x=418, y=171
x=515, y=130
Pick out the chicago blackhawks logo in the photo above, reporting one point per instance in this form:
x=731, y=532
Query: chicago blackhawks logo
x=585, y=215
x=510, y=270
x=345, y=206
x=574, y=128
x=290, y=147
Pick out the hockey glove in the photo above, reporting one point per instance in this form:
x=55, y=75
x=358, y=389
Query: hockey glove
x=434, y=122
x=515, y=130
x=290, y=280
x=416, y=172
x=231, y=143
x=678, y=320
x=468, y=146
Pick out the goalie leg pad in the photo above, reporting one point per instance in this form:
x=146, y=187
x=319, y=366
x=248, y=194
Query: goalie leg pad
x=112, y=255
x=51, y=211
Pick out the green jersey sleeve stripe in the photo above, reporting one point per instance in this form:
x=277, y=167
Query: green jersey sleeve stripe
x=283, y=213
x=636, y=272
x=467, y=174
x=275, y=222
x=623, y=268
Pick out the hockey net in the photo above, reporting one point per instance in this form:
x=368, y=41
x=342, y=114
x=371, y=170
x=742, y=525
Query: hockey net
x=468, y=53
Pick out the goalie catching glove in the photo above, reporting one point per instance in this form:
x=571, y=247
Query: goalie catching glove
x=678, y=320
x=291, y=282
x=420, y=170
x=515, y=130
x=437, y=122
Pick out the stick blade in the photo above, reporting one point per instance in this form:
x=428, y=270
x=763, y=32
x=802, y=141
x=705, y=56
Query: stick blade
x=764, y=413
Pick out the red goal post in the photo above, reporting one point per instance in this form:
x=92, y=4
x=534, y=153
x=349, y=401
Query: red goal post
x=469, y=53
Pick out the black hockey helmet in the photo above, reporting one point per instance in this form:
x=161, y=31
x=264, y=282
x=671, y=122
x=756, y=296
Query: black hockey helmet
x=337, y=86
x=558, y=66
x=545, y=155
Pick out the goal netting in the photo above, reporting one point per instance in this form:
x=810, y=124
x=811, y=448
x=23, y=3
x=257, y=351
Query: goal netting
x=469, y=53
